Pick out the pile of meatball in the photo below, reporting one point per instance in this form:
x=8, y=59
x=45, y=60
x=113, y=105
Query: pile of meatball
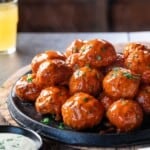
x=90, y=81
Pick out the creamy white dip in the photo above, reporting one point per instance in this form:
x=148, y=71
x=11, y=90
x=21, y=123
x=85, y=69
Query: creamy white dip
x=10, y=141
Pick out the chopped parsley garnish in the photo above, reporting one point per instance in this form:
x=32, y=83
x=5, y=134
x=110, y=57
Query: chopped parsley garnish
x=130, y=76
x=61, y=125
x=115, y=71
x=86, y=48
x=46, y=120
x=79, y=73
x=98, y=57
x=85, y=99
x=9, y=140
x=29, y=78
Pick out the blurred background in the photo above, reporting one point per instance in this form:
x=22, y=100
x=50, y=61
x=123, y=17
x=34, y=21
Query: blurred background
x=83, y=15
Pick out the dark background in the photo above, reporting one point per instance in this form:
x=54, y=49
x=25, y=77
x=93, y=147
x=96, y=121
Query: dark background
x=83, y=15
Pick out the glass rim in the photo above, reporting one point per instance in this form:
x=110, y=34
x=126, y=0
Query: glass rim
x=8, y=1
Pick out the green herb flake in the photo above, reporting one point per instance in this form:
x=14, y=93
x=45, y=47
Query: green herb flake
x=46, y=120
x=9, y=140
x=2, y=147
x=130, y=76
x=115, y=72
x=98, y=57
x=85, y=99
x=29, y=78
x=79, y=73
x=61, y=125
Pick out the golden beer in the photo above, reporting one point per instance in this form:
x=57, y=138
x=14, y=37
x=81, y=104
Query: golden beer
x=8, y=26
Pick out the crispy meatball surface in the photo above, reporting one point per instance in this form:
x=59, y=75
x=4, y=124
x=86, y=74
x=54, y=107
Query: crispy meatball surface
x=121, y=83
x=53, y=72
x=51, y=99
x=129, y=48
x=86, y=80
x=97, y=53
x=119, y=62
x=26, y=88
x=138, y=60
x=82, y=111
x=74, y=61
x=143, y=98
x=146, y=77
x=126, y=115
x=74, y=47
x=40, y=58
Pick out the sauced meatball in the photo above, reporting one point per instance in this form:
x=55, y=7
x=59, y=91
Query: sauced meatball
x=82, y=111
x=74, y=61
x=121, y=83
x=138, y=61
x=129, y=48
x=86, y=80
x=106, y=100
x=119, y=62
x=126, y=115
x=74, y=47
x=97, y=53
x=51, y=100
x=26, y=88
x=40, y=58
x=143, y=98
x=53, y=72
x=146, y=77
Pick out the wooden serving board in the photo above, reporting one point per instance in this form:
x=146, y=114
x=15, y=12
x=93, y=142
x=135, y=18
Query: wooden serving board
x=6, y=119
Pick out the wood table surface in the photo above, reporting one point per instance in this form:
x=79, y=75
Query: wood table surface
x=29, y=44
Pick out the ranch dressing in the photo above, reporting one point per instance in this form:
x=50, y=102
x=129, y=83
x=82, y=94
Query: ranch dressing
x=11, y=141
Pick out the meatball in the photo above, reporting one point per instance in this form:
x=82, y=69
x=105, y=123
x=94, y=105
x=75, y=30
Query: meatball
x=26, y=88
x=53, y=72
x=138, y=61
x=121, y=83
x=74, y=62
x=143, y=98
x=40, y=58
x=105, y=100
x=74, y=47
x=119, y=62
x=86, y=79
x=97, y=53
x=146, y=77
x=129, y=48
x=125, y=114
x=82, y=111
x=51, y=100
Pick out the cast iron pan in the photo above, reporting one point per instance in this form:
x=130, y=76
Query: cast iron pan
x=24, y=113
x=22, y=131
